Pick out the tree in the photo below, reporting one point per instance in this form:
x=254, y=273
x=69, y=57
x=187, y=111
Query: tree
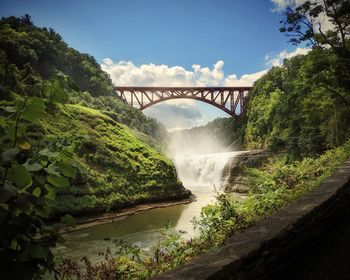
x=303, y=23
x=29, y=177
x=27, y=20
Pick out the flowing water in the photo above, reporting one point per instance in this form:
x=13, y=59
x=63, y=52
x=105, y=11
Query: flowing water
x=202, y=174
x=203, y=169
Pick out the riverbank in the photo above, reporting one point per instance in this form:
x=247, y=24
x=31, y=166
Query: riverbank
x=99, y=219
x=141, y=225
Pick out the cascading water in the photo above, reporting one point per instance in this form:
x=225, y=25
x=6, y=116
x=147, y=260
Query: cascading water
x=203, y=169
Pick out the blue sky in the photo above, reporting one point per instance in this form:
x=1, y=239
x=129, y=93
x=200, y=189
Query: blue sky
x=180, y=33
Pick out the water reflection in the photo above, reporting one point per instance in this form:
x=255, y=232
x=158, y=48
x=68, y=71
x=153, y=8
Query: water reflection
x=142, y=229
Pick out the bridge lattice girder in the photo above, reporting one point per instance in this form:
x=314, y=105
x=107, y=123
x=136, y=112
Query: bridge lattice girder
x=229, y=99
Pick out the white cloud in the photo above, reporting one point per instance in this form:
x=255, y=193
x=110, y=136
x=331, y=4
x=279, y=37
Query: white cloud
x=126, y=73
x=277, y=60
x=107, y=61
x=281, y=5
x=246, y=79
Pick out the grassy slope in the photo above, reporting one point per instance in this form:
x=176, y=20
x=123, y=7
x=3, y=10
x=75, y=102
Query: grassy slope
x=116, y=167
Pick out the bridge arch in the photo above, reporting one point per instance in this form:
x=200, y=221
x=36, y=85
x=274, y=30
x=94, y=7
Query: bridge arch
x=229, y=99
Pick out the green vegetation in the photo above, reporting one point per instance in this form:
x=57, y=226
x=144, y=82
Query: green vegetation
x=29, y=176
x=147, y=129
x=292, y=109
x=303, y=107
x=63, y=150
x=115, y=168
x=22, y=43
x=273, y=186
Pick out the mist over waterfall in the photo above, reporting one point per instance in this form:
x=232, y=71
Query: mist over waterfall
x=203, y=169
x=202, y=155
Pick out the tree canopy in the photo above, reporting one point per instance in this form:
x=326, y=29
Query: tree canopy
x=307, y=23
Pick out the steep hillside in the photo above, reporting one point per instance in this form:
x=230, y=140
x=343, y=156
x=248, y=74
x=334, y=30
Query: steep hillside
x=112, y=146
x=115, y=167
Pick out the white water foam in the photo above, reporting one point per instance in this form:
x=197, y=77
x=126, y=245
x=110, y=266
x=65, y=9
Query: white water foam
x=204, y=169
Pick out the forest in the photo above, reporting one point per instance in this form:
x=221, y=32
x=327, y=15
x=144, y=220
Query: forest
x=69, y=147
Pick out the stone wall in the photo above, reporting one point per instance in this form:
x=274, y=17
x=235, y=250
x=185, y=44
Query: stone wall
x=266, y=249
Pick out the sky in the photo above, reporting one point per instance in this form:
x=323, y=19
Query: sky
x=170, y=43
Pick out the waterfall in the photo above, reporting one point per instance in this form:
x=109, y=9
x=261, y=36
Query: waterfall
x=203, y=169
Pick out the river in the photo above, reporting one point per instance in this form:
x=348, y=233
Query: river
x=200, y=173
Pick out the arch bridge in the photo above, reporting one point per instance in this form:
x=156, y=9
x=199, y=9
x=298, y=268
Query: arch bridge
x=231, y=100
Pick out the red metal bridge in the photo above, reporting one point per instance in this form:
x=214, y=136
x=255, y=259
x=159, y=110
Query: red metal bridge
x=229, y=99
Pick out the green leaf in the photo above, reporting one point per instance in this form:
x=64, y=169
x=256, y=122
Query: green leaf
x=52, y=169
x=51, y=193
x=47, y=89
x=9, y=155
x=34, y=109
x=37, y=192
x=67, y=170
x=11, y=132
x=38, y=251
x=14, y=244
x=41, y=180
x=33, y=167
x=19, y=175
x=68, y=220
x=7, y=191
x=49, y=154
x=58, y=93
x=57, y=181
